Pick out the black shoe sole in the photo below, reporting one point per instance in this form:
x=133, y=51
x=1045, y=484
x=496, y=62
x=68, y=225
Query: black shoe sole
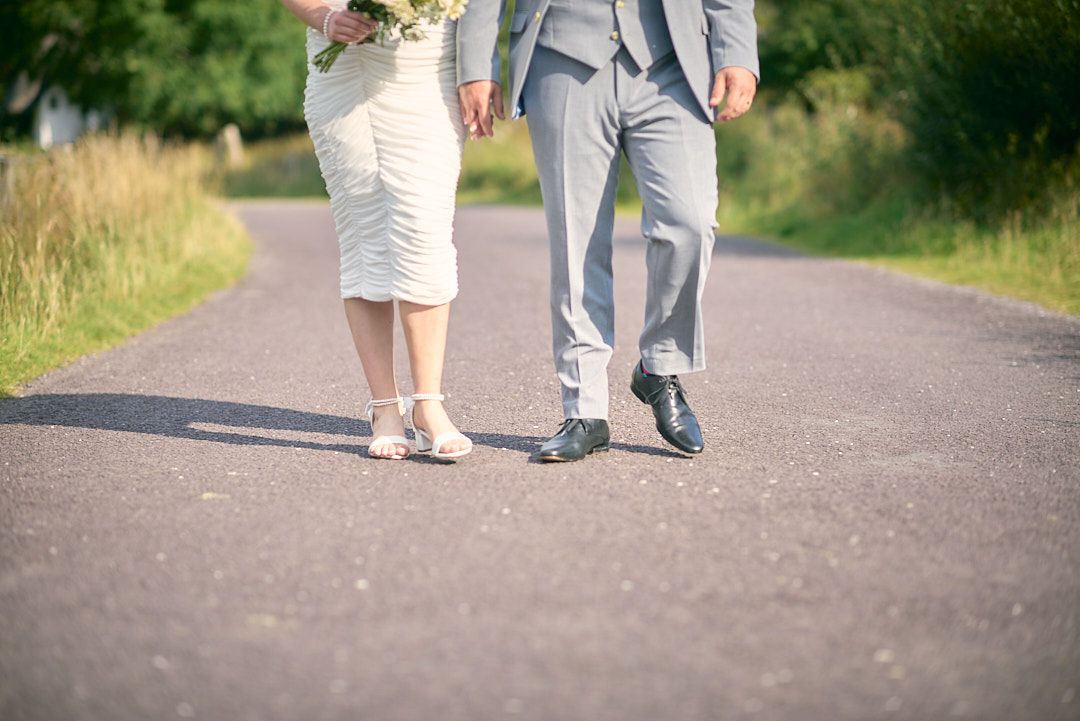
x=556, y=459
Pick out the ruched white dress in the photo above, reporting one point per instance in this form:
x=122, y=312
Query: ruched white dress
x=388, y=134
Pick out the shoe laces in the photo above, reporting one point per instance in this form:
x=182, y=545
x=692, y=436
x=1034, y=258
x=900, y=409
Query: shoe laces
x=569, y=423
x=671, y=385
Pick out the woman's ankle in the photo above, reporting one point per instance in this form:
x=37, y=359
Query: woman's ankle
x=387, y=414
x=424, y=412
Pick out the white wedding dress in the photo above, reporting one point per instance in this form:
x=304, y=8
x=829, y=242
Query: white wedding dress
x=388, y=134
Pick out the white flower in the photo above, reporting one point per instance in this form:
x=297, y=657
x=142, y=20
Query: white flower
x=399, y=14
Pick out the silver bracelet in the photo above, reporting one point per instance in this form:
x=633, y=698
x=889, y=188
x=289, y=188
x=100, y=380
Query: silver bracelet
x=326, y=23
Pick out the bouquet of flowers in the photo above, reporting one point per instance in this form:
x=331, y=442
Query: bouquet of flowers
x=391, y=14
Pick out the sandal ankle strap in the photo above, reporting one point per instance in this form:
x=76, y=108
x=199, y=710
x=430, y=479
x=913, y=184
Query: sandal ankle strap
x=403, y=404
x=428, y=397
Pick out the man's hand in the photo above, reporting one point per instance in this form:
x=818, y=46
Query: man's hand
x=740, y=85
x=477, y=101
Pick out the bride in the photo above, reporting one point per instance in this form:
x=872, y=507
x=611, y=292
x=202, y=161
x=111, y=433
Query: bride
x=388, y=131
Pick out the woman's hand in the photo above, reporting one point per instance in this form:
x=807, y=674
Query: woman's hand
x=347, y=26
x=478, y=99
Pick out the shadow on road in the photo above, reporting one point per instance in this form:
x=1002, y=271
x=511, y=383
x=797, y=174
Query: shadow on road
x=204, y=420
x=624, y=447
x=190, y=418
x=735, y=246
x=239, y=424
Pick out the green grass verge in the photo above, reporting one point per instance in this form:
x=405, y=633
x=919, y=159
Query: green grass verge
x=102, y=241
x=1039, y=263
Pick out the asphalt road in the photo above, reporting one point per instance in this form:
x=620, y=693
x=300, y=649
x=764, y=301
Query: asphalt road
x=885, y=523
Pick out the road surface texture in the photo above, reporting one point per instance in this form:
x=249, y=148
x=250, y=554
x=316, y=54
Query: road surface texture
x=885, y=523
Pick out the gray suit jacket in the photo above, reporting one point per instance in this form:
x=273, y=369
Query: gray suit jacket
x=478, y=41
x=708, y=36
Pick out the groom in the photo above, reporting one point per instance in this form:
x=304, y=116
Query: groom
x=597, y=78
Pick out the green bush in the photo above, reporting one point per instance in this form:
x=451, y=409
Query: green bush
x=798, y=37
x=988, y=92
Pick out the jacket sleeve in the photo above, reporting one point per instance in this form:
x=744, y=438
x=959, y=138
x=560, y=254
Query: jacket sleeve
x=732, y=34
x=478, y=41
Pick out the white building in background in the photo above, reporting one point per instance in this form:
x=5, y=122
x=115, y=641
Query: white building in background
x=58, y=121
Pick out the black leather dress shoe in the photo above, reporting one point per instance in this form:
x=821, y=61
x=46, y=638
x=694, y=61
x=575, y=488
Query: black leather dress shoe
x=577, y=438
x=674, y=419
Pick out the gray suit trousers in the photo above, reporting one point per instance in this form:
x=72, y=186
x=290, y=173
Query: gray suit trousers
x=580, y=120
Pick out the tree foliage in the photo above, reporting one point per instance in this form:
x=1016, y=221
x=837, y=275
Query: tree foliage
x=987, y=91
x=798, y=37
x=992, y=92
x=177, y=66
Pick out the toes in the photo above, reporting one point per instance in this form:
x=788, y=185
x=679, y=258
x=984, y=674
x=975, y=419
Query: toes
x=390, y=451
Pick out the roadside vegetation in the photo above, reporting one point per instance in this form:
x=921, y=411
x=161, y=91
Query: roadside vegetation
x=941, y=139
x=101, y=240
x=836, y=182
x=281, y=167
x=937, y=137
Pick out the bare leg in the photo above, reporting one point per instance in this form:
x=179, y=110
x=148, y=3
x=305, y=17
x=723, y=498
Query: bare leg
x=425, y=335
x=372, y=327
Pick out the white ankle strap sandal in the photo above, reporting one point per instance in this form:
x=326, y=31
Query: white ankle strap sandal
x=379, y=441
x=425, y=443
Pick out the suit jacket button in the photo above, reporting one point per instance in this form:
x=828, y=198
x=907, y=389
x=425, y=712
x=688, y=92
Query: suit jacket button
x=536, y=17
x=615, y=35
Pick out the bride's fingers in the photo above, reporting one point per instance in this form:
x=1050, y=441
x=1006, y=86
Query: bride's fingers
x=475, y=98
x=358, y=19
x=363, y=24
x=353, y=26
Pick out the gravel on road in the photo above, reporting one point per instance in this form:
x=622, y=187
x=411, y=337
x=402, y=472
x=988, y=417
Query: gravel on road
x=885, y=523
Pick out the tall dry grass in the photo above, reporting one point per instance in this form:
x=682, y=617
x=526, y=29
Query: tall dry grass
x=1034, y=256
x=102, y=239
